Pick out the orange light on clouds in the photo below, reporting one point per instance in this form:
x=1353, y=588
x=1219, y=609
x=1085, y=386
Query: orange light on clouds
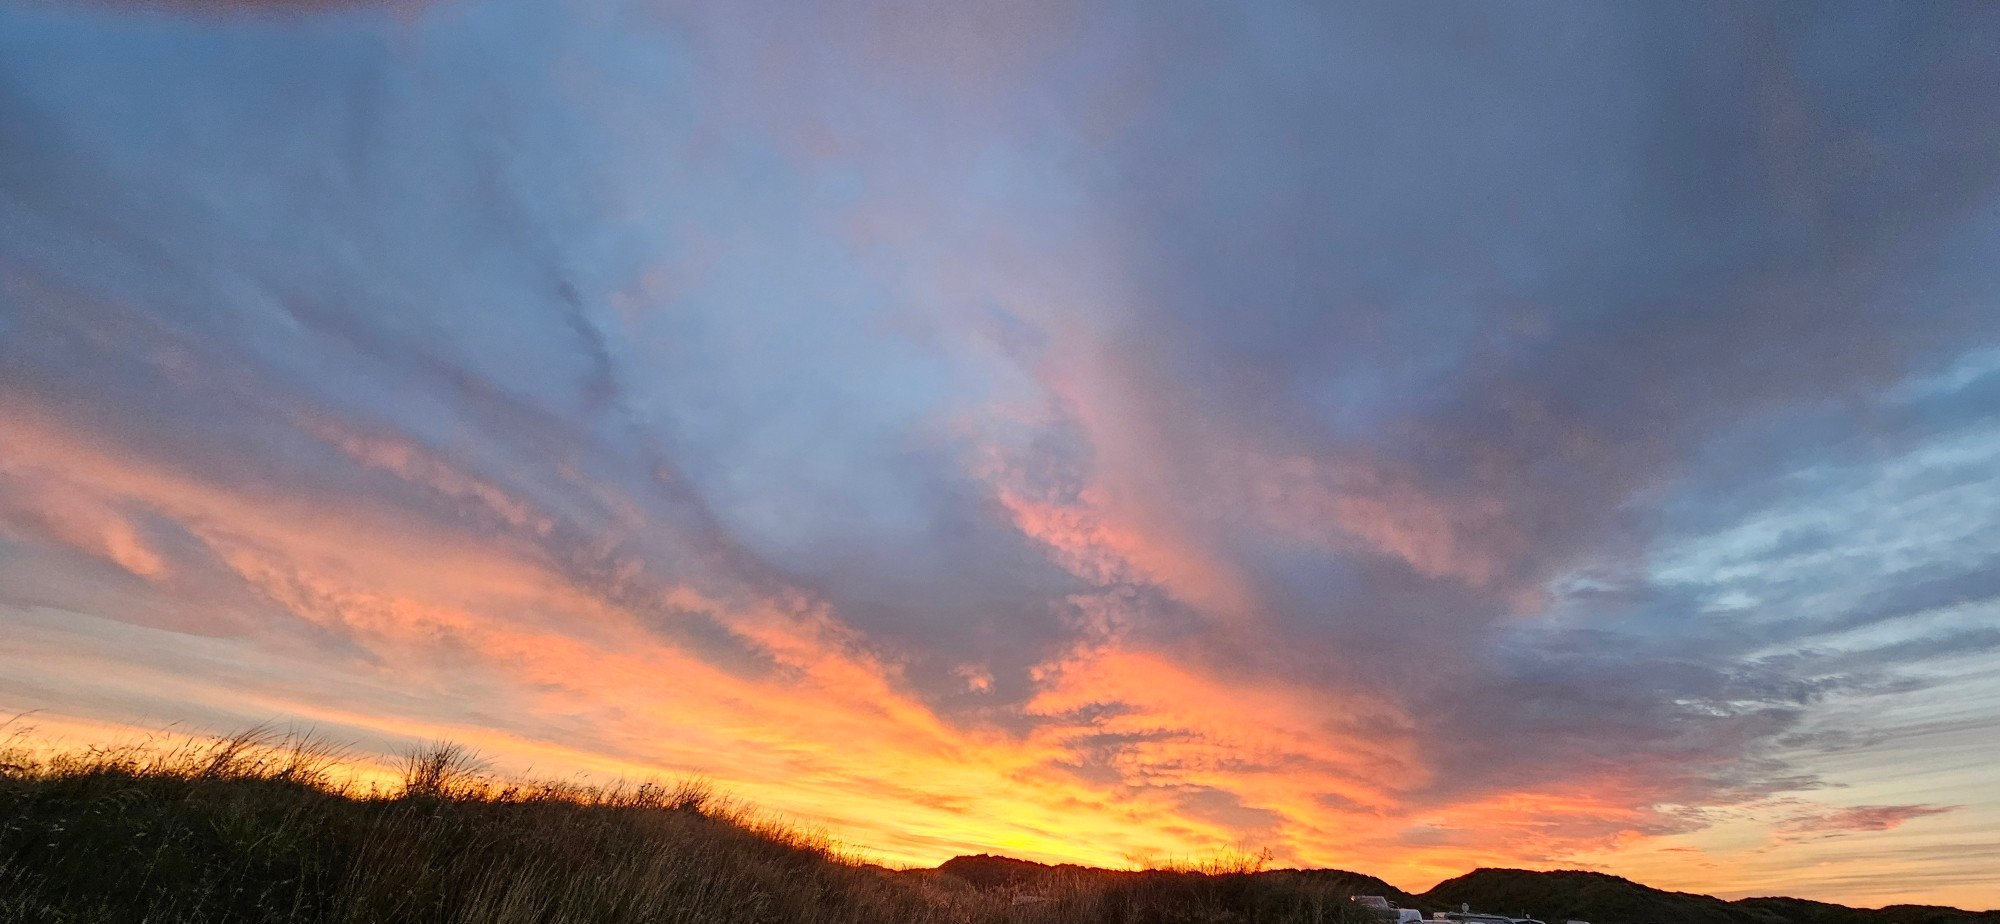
x=482, y=642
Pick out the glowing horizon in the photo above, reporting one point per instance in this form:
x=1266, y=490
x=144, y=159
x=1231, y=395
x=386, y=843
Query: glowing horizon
x=1403, y=439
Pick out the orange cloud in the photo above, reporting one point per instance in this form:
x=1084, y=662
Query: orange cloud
x=1128, y=746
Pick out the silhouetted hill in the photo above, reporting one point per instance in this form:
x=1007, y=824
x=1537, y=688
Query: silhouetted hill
x=1802, y=911
x=987, y=871
x=1553, y=897
x=1579, y=895
x=1356, y=884
x=1605, y=899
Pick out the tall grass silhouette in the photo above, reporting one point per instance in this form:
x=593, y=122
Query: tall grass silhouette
x=267, y=827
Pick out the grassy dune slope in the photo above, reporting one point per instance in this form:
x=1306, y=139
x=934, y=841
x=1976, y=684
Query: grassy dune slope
x=253, y=829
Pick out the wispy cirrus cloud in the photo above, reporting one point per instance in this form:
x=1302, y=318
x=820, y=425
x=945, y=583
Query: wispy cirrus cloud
x=1859, y=818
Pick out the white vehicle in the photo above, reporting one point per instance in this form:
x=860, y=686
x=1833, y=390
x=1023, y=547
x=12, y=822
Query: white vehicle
x=1465, y=915
x=1380, y=907
x=1473, y=917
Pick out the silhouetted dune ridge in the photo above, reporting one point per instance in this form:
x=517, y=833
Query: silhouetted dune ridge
x=1552, y=896
x=268, y=829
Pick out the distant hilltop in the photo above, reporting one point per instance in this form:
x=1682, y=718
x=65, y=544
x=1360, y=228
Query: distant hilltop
x=1553, y=897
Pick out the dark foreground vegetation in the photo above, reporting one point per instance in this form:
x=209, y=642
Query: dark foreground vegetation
x=250, y=829
x=255, y=829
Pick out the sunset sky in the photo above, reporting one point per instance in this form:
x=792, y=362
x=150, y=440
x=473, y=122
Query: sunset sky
x=1405, y=438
